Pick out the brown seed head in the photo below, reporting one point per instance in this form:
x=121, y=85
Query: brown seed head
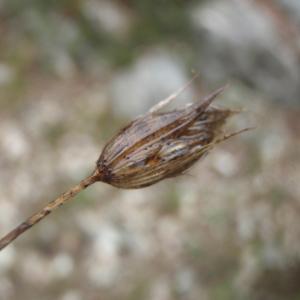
x=159, y=145
x=151, y=148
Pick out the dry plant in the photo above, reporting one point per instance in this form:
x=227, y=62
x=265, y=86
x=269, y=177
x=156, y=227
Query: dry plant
x=155, y=146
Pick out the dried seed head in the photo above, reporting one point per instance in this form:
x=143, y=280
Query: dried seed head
x=151, y=148
x=161, y=145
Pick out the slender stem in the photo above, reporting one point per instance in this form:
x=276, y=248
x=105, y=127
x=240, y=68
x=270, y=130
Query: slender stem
x=51, y=206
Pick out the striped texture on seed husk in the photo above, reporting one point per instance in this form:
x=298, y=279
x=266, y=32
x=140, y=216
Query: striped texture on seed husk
x=160, y=145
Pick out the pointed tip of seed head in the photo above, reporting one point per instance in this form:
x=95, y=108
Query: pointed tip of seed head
x=230, y=135
x=219, y=91
x=211, y=97
x=240, y=131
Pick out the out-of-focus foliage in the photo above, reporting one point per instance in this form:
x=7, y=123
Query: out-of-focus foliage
x=74, y=26
x=72, y=73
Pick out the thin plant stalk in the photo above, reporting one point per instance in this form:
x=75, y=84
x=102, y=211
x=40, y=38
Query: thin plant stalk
x=49, y=208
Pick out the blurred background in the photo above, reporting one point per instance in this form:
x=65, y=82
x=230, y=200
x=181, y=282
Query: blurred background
x=73, y=72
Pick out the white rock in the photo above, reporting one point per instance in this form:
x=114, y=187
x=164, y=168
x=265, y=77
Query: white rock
x=7, y=258
x=13, y=141
x=103, y=263
x=7, y=74
x=62, y=266
x=7, y=289
x=71, y=295
x=225, y=163
x=160, y=289
x=152, y=78
x=240, y=38
x=109, y=16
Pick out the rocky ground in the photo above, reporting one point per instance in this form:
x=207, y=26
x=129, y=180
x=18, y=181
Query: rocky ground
x=229, y=229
